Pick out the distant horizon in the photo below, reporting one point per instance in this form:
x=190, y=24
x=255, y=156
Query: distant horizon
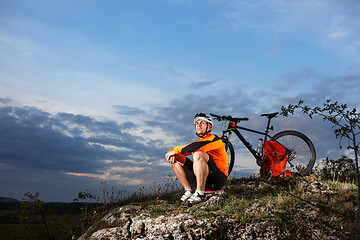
x=235, y=174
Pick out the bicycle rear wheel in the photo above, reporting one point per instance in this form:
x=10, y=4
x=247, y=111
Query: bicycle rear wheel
x=299, y=149
x=231, y=155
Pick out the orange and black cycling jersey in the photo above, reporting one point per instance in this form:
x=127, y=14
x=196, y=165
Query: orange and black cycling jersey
x=212, y=145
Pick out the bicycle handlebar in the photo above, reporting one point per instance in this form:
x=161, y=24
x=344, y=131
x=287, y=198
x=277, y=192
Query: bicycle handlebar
x=230, y=118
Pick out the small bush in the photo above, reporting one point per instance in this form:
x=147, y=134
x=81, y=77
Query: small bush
x=342, y=169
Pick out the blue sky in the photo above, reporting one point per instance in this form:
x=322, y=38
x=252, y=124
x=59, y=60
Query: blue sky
x=95, y=91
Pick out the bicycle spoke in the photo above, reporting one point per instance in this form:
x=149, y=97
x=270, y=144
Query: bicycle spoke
x=302, y=155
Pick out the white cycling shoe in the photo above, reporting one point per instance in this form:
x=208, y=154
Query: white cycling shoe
x=186, y=195
x=196, y=198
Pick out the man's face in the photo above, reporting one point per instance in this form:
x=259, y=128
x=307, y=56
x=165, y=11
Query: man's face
x=200, y=127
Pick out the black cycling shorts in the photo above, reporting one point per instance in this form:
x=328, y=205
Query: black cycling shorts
x=216, y=179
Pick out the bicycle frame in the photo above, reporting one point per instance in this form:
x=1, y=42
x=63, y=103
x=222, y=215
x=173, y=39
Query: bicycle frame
x=232, y=127
x=299, y=149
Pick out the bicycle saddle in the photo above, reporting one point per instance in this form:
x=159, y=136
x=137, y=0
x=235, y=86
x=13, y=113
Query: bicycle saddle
x=270, y=115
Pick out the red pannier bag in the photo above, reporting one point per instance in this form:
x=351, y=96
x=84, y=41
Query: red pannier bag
x=275, y=160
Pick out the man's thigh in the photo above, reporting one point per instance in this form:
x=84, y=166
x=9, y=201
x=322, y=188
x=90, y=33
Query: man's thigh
x=215, y=180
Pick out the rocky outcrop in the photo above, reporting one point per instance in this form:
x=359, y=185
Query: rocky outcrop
x=176, y=221
x=123, y=223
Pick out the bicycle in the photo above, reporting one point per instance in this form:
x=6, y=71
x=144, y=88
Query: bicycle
x=299, y=149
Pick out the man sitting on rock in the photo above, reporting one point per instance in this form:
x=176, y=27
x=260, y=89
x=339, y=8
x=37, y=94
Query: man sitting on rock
x=209, y=168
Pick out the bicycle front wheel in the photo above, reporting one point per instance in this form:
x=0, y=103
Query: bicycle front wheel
x=231, y=155
x=299, y=149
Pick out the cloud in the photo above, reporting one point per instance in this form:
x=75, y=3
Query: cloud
x=126, y=110
x=5, y=101
x=65, y=142
x=337, y=33
x=115, y=174
x=173, y=72
x=208, y=82
x=316, y=87
x=293, y=79
x=29, y=139
x=33, y=140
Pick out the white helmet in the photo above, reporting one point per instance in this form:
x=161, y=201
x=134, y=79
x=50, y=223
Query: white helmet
x=203, y=116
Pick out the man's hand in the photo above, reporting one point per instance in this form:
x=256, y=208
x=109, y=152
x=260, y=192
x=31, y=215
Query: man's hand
x=170, y=157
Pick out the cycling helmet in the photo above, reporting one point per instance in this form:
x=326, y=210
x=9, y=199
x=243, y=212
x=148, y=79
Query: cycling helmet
x=203, y=116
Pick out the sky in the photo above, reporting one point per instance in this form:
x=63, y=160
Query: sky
x=98, y=91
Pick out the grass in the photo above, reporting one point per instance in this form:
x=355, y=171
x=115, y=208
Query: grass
x=294, y=206
x=157, y=211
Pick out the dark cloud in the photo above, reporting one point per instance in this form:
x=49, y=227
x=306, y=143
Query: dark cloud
x=32, y=140
x=178, y=115
x=37, y=139
x=5, y=101
x=208, y=82
x=203, y=84
x=29, y=138
x=147, y=131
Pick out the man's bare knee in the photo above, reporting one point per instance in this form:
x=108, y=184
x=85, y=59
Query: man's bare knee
x=200, y=156
x=177, y=165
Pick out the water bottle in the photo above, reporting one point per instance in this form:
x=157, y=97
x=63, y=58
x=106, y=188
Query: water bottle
x=260, y=146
